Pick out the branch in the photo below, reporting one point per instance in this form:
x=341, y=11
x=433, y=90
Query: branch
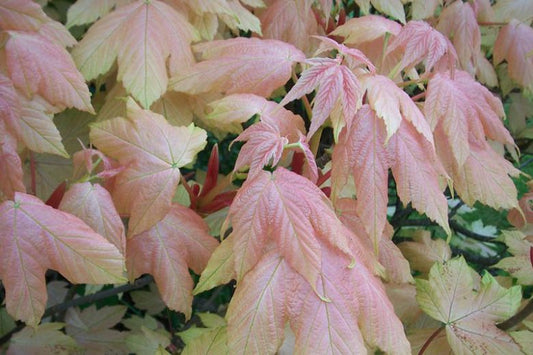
x=139, y=283
x=517, y=318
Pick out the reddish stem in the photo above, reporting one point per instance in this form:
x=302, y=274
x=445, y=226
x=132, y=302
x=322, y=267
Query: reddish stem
x=430, y=339
x=419, y=96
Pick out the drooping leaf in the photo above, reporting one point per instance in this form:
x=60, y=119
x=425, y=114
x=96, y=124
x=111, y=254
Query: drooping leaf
x=483, y=177
x=10, y=165
x=463, y=109
x=36, y=65
x=154, y=151
x=90, y=328
x=35, y=238
x=93, y=205
x=144, y=38
x=337, y=90
x=393, y=8
x=266, y=65
x=389, y=256
x=356, y=307
x=290, y=21
x=470, y=316
x=361, y=153
x=393, y=105
x=519, y=265
x=9, y=106
x=167, y=250
x=419, y=174
x=514, y=44
x=257, y=312
x=458, y=22
x=289, y=210
x=44, y=338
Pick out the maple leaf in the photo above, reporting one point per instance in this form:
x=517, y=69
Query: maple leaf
x=220, y=268
x=152, y=169
x=290, y=21
x=46, y=337
x=418, y=41
x=423, y=252
x=90, y=328
x=37, y=129
x=507, y=10
x=267, y=209
x=266, y=65
x=463, y=109
x=37, y=237
x=393, y=8
x=389, y=256
x=209, y=340
x=458, y=22
x=142, y=37
x=338, y=90
x=87, y=11
x=148, y=341
x=514, y=44
x=519, y=265
x=179, y=241
x=36, y=65
x=469, y=315
x=421, y=9
x=483, y=177
x=24, y=15
x=93, y=205
x=366, y=29
x=9, y=106
x=10, y=165
x=393, y=105
x=273, y=293
x=361, y=152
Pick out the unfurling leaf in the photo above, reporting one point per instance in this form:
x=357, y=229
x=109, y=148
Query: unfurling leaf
x=469, y=315
x=337, y=90
x=153, y=151
x=36, y=237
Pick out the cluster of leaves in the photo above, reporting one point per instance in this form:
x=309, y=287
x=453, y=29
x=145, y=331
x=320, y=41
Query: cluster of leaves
x=329, y=253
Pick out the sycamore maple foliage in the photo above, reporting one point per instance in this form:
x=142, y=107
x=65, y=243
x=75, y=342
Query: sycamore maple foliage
x=354, y=120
